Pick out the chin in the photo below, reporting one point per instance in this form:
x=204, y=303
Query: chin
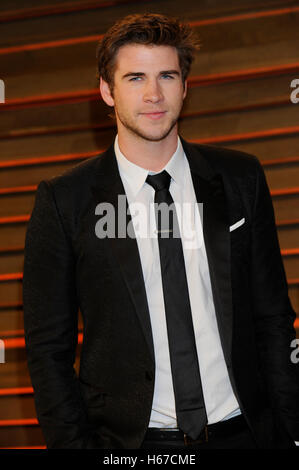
x=155, y=136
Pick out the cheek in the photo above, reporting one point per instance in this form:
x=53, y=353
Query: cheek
x=176, y=100
x=127, y=100
x=174, y=94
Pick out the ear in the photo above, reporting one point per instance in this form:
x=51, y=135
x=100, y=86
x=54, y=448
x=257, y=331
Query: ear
x=185, y=89
x=106, y=93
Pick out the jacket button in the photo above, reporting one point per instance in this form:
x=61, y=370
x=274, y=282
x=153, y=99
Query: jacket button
x=148, y=375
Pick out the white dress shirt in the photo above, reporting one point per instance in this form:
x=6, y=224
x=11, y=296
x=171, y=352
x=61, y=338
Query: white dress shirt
x=219, y=397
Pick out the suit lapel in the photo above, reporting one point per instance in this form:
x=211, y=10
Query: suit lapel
x=209, y=190
x=108, y=186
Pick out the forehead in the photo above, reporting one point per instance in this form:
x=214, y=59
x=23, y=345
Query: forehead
x=140, y=57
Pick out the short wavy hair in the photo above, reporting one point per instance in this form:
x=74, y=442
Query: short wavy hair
x=146, y=29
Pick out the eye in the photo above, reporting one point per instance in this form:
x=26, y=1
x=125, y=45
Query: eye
x=167, y=76
x=135, y=79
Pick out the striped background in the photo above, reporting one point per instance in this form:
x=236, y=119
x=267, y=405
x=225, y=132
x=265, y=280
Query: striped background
x=53, y=117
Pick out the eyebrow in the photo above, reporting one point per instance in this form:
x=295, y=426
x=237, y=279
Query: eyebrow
x=142, y=74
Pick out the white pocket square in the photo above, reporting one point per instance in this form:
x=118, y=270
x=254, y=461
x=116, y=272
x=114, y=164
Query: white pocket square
x=237, y=224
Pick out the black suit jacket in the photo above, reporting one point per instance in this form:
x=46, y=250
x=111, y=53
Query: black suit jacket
x=68, y=267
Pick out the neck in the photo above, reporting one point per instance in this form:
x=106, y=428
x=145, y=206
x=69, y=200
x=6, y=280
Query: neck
x=150, y=155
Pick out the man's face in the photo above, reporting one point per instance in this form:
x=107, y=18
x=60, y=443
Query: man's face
x=148, y=91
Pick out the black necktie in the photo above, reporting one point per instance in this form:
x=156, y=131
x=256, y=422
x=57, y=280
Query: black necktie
x=189, y=401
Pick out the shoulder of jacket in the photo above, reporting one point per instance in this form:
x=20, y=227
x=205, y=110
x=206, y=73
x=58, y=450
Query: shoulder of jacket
x=229, y=161
x=78, y=173
x=71, y=189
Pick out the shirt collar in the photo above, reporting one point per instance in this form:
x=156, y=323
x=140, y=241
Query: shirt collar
x=136, y=175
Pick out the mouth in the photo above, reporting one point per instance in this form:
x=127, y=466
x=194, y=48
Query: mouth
x=154, y=115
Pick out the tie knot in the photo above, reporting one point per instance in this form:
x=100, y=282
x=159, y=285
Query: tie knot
x=159, y=181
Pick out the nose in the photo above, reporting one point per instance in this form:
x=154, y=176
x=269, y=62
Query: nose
x=152, y=92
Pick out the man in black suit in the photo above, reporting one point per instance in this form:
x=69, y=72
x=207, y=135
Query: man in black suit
x=187, y=321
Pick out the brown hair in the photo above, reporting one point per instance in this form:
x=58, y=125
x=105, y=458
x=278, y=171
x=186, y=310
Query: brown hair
x=147, y=29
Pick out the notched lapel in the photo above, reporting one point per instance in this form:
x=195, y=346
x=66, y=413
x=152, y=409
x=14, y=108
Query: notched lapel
x=107, y=187
x=217, y=242
x=209, y=190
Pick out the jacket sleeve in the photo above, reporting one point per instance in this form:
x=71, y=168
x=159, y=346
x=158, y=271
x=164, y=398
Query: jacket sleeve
x=50, y=321
x=273, y=314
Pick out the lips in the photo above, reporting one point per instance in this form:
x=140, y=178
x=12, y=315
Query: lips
x=154, y=115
